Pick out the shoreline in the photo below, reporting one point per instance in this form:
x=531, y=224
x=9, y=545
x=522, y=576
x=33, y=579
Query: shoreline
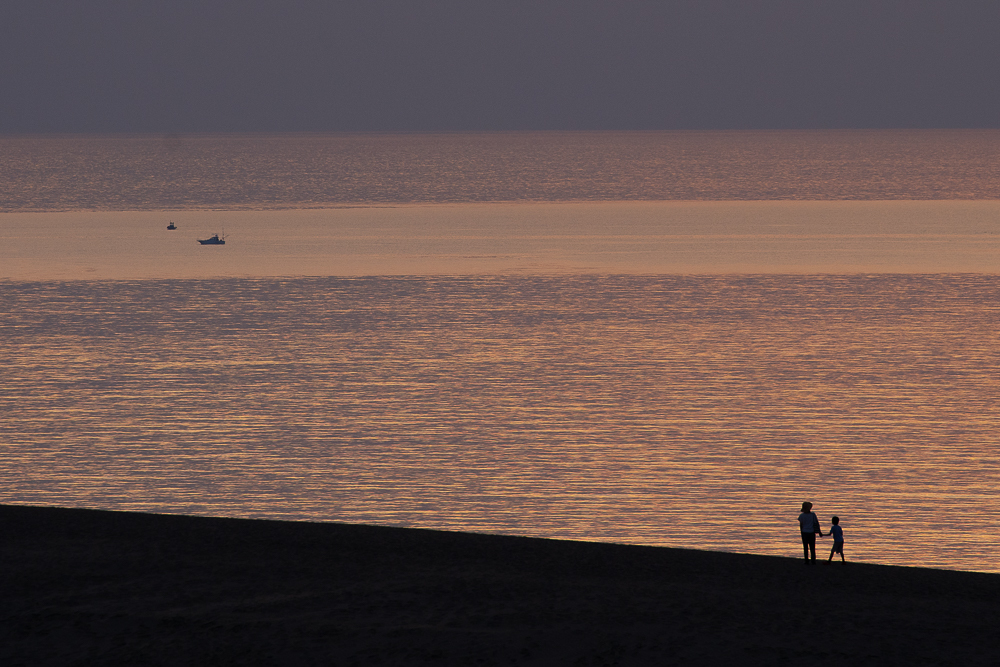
x=104, y=587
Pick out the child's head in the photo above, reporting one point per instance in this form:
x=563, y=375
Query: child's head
x=806, y=507
x=835, y=520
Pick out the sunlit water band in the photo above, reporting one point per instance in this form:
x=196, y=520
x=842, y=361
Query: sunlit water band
x=669, y=410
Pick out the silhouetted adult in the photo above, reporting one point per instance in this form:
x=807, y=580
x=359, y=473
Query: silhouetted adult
x=809, y=525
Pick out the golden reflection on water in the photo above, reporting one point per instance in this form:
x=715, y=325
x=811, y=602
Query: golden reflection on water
x=668, y=410
x=605, y=238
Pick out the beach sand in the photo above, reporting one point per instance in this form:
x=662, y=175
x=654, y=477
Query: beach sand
x=94, y=587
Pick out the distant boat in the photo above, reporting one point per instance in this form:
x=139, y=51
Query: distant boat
x=214, y=240
x=171, y=226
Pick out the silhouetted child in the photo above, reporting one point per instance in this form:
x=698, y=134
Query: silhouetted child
x=837, y=533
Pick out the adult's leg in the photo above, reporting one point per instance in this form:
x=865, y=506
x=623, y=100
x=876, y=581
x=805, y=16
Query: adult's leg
x=809, y=546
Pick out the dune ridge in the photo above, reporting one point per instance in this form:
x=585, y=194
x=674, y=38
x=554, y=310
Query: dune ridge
x=98, y=587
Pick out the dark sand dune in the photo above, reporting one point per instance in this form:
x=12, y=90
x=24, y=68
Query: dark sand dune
x=89, y=587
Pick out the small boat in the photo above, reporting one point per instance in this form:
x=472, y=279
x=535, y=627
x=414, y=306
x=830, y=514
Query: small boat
x=213, y=240
x=171, y=226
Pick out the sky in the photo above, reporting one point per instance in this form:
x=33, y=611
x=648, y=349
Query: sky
x=444, y=65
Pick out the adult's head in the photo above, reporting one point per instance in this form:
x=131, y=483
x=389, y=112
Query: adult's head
x=806, y=506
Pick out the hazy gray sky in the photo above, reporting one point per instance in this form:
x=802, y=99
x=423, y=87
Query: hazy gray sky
x=292, y=65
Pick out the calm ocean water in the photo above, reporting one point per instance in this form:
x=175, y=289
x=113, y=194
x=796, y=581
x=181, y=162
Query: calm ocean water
x=296, y=171
x=678, y=410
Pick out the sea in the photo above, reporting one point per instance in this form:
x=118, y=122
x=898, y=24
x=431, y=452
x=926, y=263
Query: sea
x=657, y=338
